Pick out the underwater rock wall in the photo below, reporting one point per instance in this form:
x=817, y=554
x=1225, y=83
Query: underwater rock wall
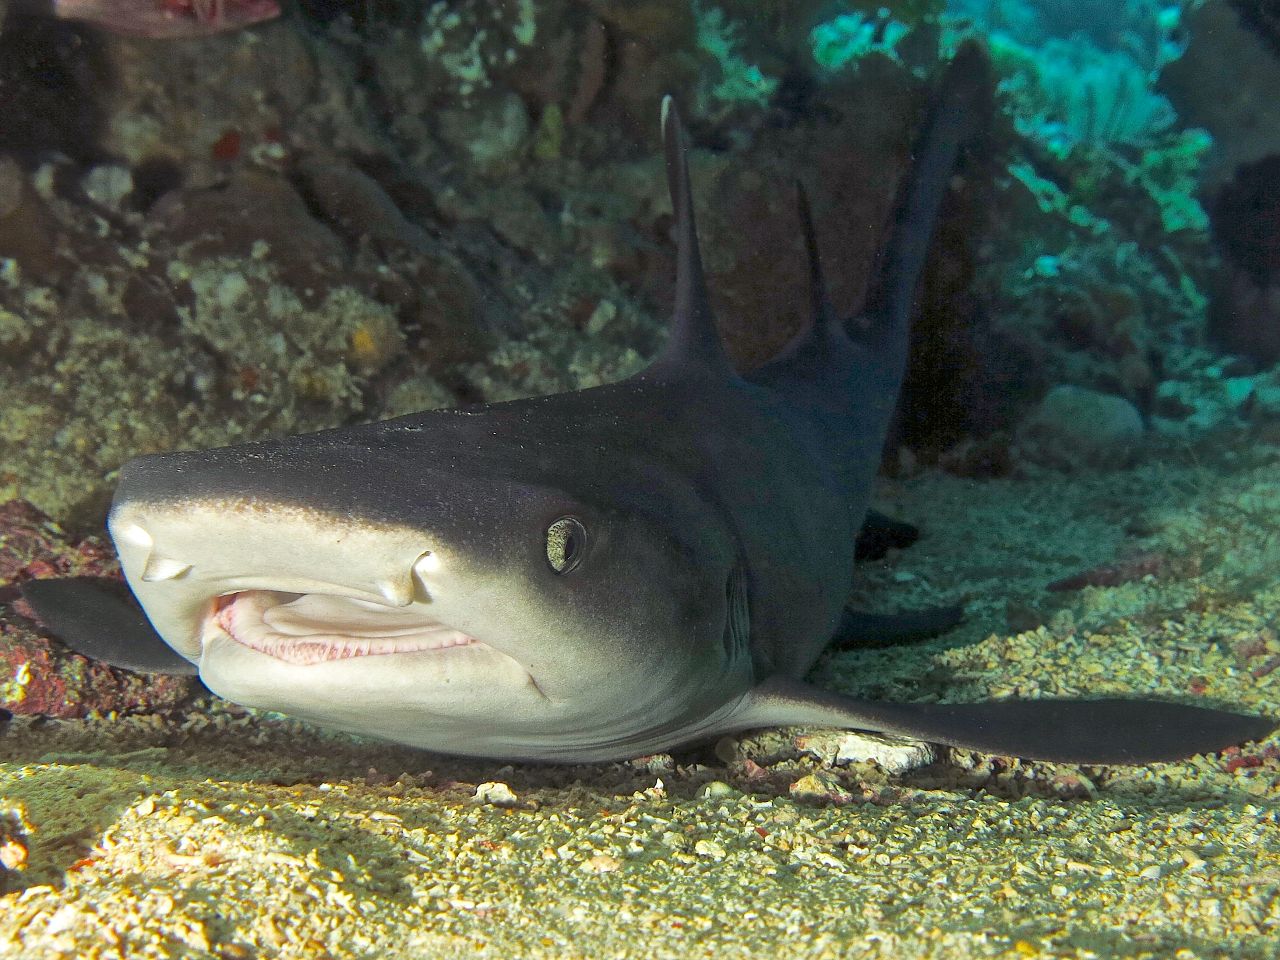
x=355, y=212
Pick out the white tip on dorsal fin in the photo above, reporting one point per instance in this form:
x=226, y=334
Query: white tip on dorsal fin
x=693, y=337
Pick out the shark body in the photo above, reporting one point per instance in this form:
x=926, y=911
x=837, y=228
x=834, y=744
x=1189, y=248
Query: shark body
x=590, y=575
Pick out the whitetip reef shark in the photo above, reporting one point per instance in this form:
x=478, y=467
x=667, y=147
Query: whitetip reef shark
x=586, y=576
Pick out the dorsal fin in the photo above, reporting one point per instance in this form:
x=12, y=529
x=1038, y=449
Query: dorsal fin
x=821, y=303
x=693, y=337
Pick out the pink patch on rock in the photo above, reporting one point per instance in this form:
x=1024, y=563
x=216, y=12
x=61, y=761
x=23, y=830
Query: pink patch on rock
x=38, y=675
x=1242, y=763
x=167, y=19
x=32, y=547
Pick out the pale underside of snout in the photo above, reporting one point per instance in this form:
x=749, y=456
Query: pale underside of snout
x=422, y=637
x=257, y=590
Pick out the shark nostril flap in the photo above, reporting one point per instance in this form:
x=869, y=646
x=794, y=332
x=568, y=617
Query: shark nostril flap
x=163, y=568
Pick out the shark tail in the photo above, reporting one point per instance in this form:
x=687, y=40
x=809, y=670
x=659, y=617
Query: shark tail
x=956, y=114
x=1115, y=731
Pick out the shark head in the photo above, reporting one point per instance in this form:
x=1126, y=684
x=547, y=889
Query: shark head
x=554, y=578
x=430, y=581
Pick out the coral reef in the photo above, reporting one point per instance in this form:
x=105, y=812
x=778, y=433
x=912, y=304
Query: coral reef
x=738, y=81
x=1081, y=73
x=367, y=209
x=53, y=77
x=168, y=19
x=286, y=228
x=1097, y=268
x=38, y=676
x=851, y=36
x=1070, y=93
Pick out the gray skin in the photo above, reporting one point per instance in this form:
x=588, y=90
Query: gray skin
x=717, y=516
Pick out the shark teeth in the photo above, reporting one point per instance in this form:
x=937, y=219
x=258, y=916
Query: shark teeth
x=315, y=628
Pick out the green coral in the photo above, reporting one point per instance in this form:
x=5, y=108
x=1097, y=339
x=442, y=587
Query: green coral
x=1169, y=174
x=1068, y=93
x=851, y=36
x=1078, y=72
x=738, y=82
x=864, y=28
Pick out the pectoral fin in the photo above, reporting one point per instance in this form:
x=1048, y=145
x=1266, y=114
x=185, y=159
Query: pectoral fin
x=880, y=533
x=865, y=631
x=99, y=618
x=1067, y=731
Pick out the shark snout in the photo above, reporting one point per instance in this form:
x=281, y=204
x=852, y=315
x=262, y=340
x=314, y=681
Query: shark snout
x=240, y=547
x=181, y=555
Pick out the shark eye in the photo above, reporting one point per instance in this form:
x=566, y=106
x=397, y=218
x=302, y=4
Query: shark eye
x=566, y=542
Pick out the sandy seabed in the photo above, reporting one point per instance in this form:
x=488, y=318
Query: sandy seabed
x=225, y=834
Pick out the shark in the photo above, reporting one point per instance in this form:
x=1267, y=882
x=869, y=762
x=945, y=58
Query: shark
x=586, y=576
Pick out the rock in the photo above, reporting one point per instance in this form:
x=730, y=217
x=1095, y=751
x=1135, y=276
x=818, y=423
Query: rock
x=1244, y=306
x=54, y=81
x=255, y=215
x=493, y=133
x=823, y=787
x=109, y=184
x=357, y=206
x=12, y=186
x=38, y=675
x=26, y=228
x=1075, y=428
x=892, y=755
x=33, y=546
x=716, y=790
x=1243, y=118
x=41, y=677
x=497, y=794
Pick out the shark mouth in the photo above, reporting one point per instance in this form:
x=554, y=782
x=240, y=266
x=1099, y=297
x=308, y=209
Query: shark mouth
x=312, y=628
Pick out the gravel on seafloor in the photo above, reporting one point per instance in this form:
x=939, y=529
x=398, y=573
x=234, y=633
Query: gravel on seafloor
x=227, y=834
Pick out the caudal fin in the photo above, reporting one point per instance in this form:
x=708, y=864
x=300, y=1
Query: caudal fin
x=957, y=112
x=1069, y=731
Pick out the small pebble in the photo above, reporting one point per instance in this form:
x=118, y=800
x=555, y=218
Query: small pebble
x=602, y=863
x=13, y=855
x=820, y=786
x=709, y=848
x=497, y=794
x=716, y=788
